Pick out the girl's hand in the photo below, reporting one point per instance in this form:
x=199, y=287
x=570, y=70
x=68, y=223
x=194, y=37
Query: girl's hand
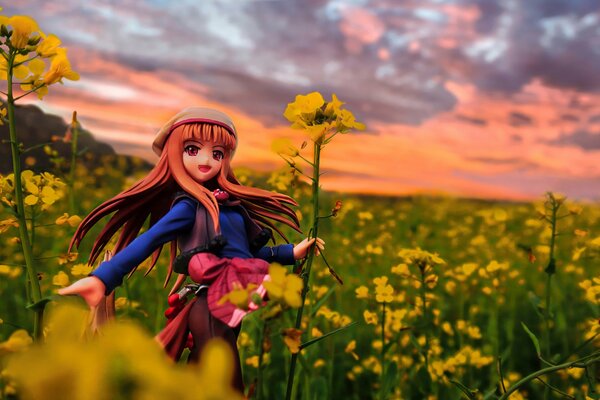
x=91, y=289
x=301, y=249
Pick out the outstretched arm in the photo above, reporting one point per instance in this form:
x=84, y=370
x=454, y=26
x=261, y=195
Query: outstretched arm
x=110, y=273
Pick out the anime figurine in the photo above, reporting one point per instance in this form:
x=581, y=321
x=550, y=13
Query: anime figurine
x=194, y=201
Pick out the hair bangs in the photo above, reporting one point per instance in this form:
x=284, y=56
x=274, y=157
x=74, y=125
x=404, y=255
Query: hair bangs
x=208, y=132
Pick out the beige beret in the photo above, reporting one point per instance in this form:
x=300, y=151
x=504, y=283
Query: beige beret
x=190, y=115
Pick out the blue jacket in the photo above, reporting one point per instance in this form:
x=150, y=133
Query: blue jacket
x=177, y=223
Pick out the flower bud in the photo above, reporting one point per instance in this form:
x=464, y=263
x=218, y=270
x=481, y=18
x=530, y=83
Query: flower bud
x=34, y=41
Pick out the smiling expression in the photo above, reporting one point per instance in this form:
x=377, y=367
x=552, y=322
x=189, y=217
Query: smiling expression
x=202, y=159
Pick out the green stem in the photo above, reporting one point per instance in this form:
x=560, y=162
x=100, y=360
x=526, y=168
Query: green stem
x=591, y=359
x=36, y=292
x=259, y=377
x=75, y=137
x=309, y=261
x=550, y=270
x=425, y=317
x=382, y=354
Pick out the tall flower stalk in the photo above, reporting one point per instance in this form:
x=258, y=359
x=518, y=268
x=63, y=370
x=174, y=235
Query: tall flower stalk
x=24, y=49
x=322, y=121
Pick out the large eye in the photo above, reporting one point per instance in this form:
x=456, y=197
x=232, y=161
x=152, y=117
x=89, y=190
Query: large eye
x=191, y=150
x=218, y=155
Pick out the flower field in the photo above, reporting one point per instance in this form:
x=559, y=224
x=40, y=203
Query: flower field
x=439, y=288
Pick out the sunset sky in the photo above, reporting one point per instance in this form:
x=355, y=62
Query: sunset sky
x=477, y=98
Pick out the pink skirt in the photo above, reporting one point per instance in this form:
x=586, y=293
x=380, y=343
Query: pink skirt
x=224, y=275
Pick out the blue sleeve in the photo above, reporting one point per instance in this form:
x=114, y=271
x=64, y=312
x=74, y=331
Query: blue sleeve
x=282, y=254
x=178, y=220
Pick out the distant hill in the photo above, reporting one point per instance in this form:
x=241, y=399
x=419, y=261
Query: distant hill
x=35, y=127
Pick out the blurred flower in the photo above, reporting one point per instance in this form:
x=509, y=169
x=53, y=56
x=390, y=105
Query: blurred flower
x=61, y=279
x=108, y=366
x=284, y=287
x=370, y=317
x=252, y=361
x=284, y=146
x=240, y=296
x=350, y=349
x=72, y=220
x=362, y=292
x=66, y=258
x=6, y=224
x=315, y=332
x=400, y=269
x=384, y=293
x=291, y=338
x=18, y=341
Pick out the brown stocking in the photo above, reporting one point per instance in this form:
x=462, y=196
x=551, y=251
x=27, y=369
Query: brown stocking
x=204, y=327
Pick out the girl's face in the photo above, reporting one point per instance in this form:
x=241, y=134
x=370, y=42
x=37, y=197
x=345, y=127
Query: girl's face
x=202, y=159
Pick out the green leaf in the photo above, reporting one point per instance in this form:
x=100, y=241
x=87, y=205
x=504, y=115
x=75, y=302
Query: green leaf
x=318, y=339
x=536, y=302
x=389, y=380
x=471, y=394
x=533, y=338
x=40, y=305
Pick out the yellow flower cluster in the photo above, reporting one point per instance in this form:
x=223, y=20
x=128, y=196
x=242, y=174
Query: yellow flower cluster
x=123, y=362
x=338, y=320
x=384, y=293
x=26, y=50
x=420, y=257
x=283, y=287
x=466, y=356
x=41, y=190
x=311, y=113
x=9, y=272
x=241, y=297
x=592, y=290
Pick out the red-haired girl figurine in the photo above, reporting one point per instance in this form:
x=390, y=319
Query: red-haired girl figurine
x=194, y=201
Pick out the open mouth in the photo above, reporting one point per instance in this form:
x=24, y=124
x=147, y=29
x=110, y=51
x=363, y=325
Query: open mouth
x=204, y=168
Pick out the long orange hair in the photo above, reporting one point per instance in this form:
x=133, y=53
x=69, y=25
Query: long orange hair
x=152, y=196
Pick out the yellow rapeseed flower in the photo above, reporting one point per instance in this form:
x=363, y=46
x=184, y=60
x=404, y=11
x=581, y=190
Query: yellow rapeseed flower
x=350, y=349
x=252, y=361
x=303, y=110
x=362, y=292
x=400, y=269
x=384, y=293
x=23, y=27
x=48, y=46
x=18, y=341
x=60, y=68
x=370, y=317
x=291, y=338
x=61, y=279
x=6, y=224
x=284, y=287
